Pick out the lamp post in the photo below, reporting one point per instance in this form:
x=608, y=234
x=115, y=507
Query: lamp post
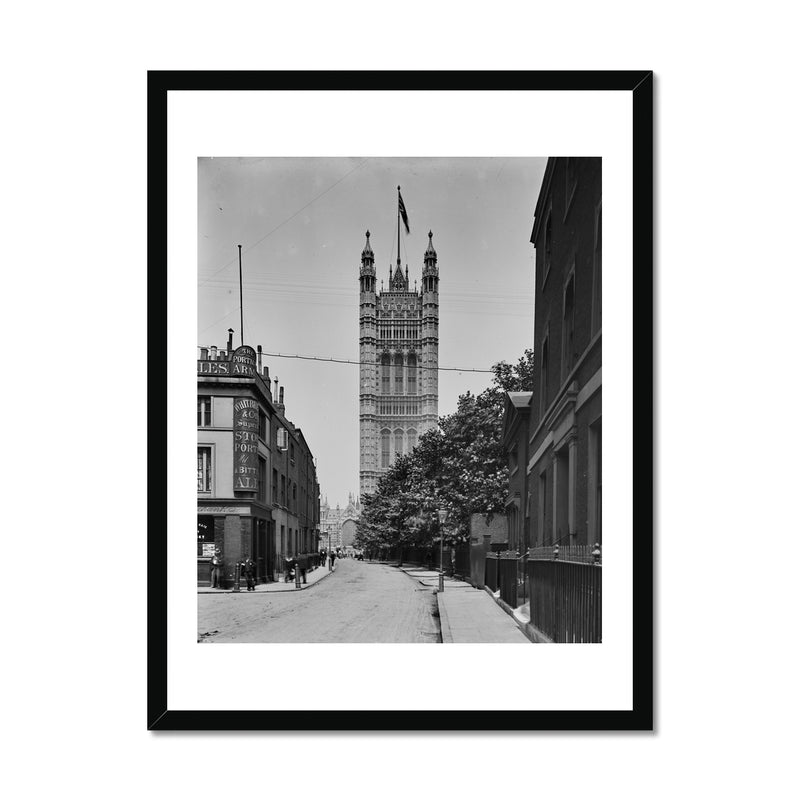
x=442, y=519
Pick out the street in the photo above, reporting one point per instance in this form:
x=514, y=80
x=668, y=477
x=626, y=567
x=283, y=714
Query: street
x=359, y=602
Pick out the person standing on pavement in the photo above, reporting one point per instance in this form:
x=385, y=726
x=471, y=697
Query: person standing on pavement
x=302, y=565
x=333, y=558
x=216, y=570
x=250, y=574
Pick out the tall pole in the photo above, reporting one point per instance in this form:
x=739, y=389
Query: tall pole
x=241, y=309
x=398, y=226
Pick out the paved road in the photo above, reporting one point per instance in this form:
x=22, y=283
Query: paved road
x=359, y=602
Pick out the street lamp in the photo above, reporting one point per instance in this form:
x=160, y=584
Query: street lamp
x=442, y=519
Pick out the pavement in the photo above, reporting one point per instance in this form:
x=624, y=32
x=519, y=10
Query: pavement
x=467, y=614
x=313, y=577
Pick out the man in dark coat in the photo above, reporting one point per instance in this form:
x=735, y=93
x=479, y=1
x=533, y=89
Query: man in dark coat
x=250, y=574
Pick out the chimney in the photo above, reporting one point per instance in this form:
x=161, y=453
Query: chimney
x=212, y=351
x=275, y=393
x=266, y=376
x=258, y=362
x=230, y=340
x=280, y=397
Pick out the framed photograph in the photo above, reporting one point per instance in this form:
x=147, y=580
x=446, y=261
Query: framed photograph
x=385, y=294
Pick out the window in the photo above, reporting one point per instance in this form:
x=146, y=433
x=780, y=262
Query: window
x=561, y=497
x=548, y=246
x=398, y=374
x=262, y=479
x=385, y=374
x=274, y=486
x=597, y=276
x=596, y=483
x=543, y=370
x=398, y=443
x=205, y=536
x=291, y=452
x=541, y=535
x=568, y=354
x=412, y=374
x=262, y=426
x=412, y=439
x=571, y=182
x=203, y=469
x=283, y=490
x=384, y=448
x=294, y=497
x=203, y=412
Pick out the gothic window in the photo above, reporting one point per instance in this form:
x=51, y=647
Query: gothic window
x=398, y=443
x=412, y=374
x=385, y=373
x=412, y=439
x=398, y=374
x=385, y=448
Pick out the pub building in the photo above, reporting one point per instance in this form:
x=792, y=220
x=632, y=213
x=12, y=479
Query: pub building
x=246, y=450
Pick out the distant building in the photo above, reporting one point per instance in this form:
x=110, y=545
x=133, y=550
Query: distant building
x=334, y=530
x=564, y=468
x=257, y=490
x=399, y=355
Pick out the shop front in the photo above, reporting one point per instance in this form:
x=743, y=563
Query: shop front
x=238, y=532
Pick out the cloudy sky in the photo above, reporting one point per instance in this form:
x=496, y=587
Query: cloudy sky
x=301, y=224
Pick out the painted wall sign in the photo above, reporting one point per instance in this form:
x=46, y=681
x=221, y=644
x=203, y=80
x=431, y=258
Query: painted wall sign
x=243, y=363
x=213, y=368
x=245, y=444
x=223, y=510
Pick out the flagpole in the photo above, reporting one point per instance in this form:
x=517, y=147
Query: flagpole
x=398, y=226
x=241, y=309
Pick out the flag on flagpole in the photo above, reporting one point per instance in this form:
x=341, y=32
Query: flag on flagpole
x=402, y=207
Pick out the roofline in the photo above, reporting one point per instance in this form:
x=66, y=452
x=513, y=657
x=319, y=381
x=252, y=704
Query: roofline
x=548, y=174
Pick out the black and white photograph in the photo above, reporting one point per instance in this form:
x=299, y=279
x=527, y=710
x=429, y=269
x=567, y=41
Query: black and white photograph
x=399, y=400
x=468, y=301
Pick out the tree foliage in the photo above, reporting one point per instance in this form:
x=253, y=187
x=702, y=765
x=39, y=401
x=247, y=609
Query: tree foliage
x=461, y=467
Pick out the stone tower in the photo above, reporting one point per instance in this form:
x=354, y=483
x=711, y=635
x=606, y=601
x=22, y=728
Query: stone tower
x=399, y=354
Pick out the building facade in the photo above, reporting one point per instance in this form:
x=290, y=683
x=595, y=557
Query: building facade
x=334, y=530
x=515, y=442
x=257, y=490
x=399, y=355
x=564, y=467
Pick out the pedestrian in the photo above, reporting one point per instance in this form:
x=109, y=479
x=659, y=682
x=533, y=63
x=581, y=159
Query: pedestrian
x=289, y=572
x=333, y=557
x=250, y=574
x=216, y=570
x=302, y=565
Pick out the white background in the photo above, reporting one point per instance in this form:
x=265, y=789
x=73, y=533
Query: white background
x=198, y=123
x=74, y=213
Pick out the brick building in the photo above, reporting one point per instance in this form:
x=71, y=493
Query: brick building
x=564, y=468
x=257, y=490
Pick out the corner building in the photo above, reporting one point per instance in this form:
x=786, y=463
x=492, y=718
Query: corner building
x=399, y=355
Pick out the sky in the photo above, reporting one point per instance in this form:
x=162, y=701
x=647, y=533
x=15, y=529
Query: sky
x=302, y=222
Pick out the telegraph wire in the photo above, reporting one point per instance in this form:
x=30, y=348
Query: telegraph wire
x=288, y=219
x=369, y=363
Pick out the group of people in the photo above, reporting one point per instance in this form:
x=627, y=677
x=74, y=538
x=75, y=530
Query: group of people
x=247, y=567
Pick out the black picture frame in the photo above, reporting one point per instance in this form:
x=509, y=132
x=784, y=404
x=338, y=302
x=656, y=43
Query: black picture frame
x=640, y=716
